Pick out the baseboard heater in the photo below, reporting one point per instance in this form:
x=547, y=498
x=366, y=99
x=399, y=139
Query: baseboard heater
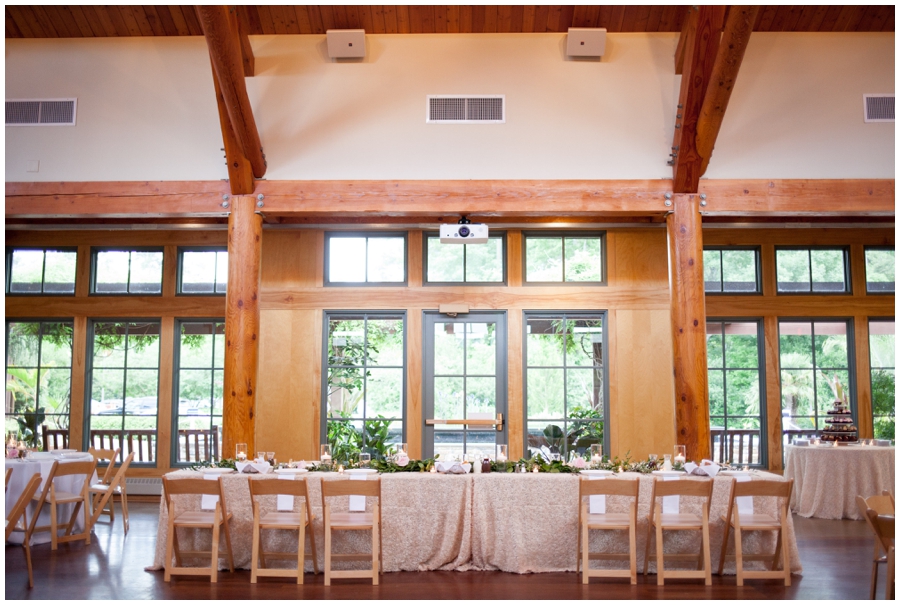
x=143, y=486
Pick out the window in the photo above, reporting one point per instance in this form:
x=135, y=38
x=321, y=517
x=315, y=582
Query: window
x=202, y=270
x=38, y=377
x=137, y=271
x=882, y=368
x=736, y=391
x=199, y=378
x=465, y=263
x=812, y=270
x=123, y=380
x=364, y=384
x=551, y=258
x=359, y=259
x=879, y=270
x=731, y=270
x=40, y=271
x=815, y=365
x=565, y=382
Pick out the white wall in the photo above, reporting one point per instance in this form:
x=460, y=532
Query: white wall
x=146, y=109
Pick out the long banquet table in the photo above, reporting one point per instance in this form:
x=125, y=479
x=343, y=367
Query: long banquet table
x=828, y=479
x=499, y=521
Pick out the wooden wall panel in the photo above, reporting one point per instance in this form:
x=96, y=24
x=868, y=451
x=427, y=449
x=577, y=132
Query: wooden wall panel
x=515, y=416
x=639, y=258
x=415, y=419
x=292, y=259
x=76, y=392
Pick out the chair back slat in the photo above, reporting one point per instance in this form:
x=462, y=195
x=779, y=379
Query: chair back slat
x=609, y=487
x=108, y=456
x=278, y=487
x=883, y=525
x=76, y=468
x=883, y=505
x=346, y=487
x=683, y=487
x=204, y=487
x=12, y=519
x=763, y=487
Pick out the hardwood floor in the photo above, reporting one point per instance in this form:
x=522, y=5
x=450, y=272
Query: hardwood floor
x=835, y=557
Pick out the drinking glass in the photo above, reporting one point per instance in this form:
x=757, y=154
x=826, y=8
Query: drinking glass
x=364, y=459
x=502, y=454
x=654, y=458
x=270, y=458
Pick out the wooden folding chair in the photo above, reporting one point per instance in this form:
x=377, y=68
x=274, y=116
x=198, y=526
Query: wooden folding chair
x=353, y=521
x=659, y=521
x=291, y=521
x=18, y=513
x=8, y=475
x=884, y=532
x=882, y=505
x=54, y=497
x=739, y=523
x=607, y=521
x=103, y=494
x=196, y=519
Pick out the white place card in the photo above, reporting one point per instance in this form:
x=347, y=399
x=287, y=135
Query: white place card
x=207, y=501
x=284, y=503
x=670, y=504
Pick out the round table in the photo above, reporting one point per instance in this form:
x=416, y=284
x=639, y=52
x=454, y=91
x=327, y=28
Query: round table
x=827, y=478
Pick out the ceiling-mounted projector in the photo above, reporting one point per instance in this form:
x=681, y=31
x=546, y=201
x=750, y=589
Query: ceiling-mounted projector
x=464, y=233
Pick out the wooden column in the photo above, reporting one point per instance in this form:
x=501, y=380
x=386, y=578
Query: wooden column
x=241, y=325
x=688, y=326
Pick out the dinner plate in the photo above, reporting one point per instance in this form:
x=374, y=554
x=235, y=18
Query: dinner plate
x=360, y=471
x=596, y=473
x=218, y=470
x=290, y=471
x=668, y=473
x=734, y=473
x=60, y=452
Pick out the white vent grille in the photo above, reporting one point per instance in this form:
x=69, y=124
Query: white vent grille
x=40, y=112
x=879, y=108
x=143, y=486
x=460, y=109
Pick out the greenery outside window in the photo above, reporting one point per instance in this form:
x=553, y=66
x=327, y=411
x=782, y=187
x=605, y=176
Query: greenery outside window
x=357, y=259
x=38, y=377
x=566, y=386
x=135, y=271
x=731, y=270
x=880, y=270
x=40, y=270
x=812, y=270
x=202, y=270
x=737, y=410
x=564, y=258
x=883, y=374
x=364, y=383
x=123, y=384
x=465, y=263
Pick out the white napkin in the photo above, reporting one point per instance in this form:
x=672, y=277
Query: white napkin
x=259, y=467
x=357, y=503
x=801, y=442
x=710, y=469
x=208, y=502
x=671, y=504
x=454, y=468
x=284, y=503
x=597, y=503
x=744, y=503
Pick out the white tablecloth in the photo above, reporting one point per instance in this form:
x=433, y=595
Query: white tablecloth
x=828, y=479
x=42, y=462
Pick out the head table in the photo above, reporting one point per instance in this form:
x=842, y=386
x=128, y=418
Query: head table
x=511, y=522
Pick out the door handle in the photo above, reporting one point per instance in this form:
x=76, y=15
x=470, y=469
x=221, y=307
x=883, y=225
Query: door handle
x=495, y=422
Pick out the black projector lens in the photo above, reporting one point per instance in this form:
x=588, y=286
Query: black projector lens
x=464, y=232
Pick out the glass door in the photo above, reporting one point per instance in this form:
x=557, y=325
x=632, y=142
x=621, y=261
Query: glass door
x=464, y=379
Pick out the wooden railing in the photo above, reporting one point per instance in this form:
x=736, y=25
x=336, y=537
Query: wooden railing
x=195, y=445
x=738, y=446
x=792, y=434
x=140, y=441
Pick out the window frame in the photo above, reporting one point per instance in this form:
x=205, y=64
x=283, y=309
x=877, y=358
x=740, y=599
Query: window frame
x=9, y=259
x=757, y=261
x=180, y=270
x=429, y=235
x=848, y=281
x=95, y=250
x=562, y=235
x=866, y=272
x=331, y=235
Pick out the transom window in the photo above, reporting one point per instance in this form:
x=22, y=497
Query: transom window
x=879, y=270
x=565, y=258
x=40, y=270
x=200, y=376
x=883, y=374
x=465, y=263
x=135, y=271
x=353, y=259
x=812, y=270
x=731, y=270
x=202, y=270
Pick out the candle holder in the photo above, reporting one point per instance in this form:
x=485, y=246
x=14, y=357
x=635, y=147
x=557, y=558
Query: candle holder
x=503, y=450
x=240, y=452
x=596, y=454
x=680, y=455
x=325, y=453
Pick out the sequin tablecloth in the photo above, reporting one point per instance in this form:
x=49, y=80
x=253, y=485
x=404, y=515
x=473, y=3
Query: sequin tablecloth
x=828, y=479
x=510, y=522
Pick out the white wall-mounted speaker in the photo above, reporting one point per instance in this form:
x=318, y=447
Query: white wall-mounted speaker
x=346, y=43
x=586, y=42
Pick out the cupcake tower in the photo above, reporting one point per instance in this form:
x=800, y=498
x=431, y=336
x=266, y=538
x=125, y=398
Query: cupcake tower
x=839, y=426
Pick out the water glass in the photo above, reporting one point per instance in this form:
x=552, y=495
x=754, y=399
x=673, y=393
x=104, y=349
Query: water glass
x=270, y=458
x=364, y=459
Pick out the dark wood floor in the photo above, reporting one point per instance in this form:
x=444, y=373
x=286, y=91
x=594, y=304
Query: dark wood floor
x=835, y=557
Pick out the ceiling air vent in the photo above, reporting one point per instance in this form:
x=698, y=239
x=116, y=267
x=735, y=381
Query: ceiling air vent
x=460, y=109
x=879, y=108
x=40, y=112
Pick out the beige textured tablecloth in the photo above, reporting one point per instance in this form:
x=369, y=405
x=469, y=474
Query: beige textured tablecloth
x=512, y=522
x=828, y=479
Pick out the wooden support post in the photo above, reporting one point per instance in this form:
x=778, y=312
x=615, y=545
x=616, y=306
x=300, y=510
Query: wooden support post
x=689, y=326
x=241, y=325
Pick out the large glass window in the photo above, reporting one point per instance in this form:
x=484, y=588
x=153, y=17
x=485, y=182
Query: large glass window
x=38, y=378
x=879, y=270
x=124, y=386
x=881, y=363
x=736, y=391
x=731, y=270
x=564, y=258
x=200, y=376
x=40, y=270
x=202, y=270
x=465, y=263
x=353, y=259
x=815, y=367
x=812, y=270
x=137, y=271
x=364, y=382
x=565, y=382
